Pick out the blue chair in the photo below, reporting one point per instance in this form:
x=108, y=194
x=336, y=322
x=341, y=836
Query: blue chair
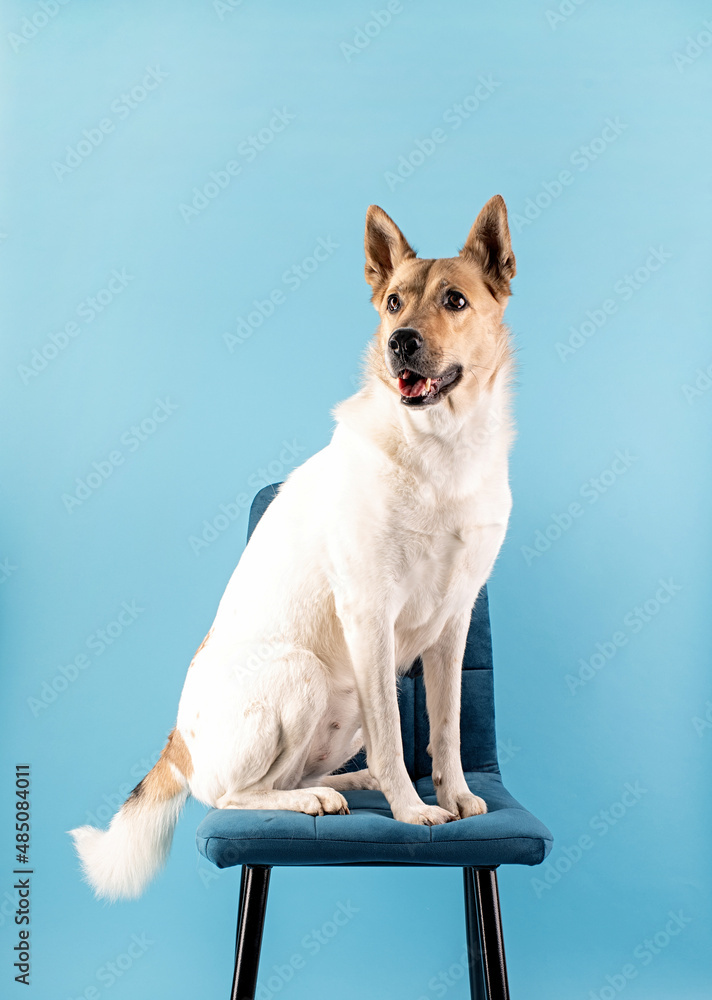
x=508, y=834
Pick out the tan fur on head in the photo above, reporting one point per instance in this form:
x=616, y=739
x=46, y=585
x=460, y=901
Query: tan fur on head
x=490, y=246
x=385, y=246
x=473, y=338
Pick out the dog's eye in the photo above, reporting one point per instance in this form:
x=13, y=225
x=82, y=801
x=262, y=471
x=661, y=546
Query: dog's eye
x=394, y=303
x=455, y=300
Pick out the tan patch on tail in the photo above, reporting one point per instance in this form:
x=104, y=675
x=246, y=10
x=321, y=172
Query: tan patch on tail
x=161, y=784
x=178, y=754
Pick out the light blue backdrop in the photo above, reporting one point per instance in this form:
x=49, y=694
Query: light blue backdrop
x=589, y=119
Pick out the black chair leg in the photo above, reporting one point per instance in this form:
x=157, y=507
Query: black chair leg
x=250, y=924
x=495, y=966
x=241, y=903
x=472, y=931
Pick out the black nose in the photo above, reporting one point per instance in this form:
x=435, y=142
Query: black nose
x=405, y=342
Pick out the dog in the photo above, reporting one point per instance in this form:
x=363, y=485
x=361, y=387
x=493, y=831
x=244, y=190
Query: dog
x=371, y=555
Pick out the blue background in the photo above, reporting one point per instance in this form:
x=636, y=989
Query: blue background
x=639, y=719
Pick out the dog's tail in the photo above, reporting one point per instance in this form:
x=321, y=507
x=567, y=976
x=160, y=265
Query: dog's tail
x=118, y=863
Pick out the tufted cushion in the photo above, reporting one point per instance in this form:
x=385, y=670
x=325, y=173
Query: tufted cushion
x=507, y=834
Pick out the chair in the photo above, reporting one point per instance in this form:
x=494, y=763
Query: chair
x=262, y=839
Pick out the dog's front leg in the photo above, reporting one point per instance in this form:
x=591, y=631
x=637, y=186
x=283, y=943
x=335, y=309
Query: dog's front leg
x=371, y=645
x=442, y=673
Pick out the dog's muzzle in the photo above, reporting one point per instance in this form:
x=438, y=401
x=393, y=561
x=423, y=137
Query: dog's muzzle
x=421, y=390
x=403, y=344
x=407, y=360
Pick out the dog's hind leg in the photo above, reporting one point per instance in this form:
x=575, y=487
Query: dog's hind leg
x=272, y=732
x=313, y=801
x=352, y=781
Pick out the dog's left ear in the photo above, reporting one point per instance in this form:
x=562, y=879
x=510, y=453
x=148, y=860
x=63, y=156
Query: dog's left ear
x=490, y=244
x=386, y=247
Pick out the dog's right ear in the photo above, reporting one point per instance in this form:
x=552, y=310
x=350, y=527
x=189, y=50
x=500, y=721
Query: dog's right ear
x=490, y=244
x=386, y=247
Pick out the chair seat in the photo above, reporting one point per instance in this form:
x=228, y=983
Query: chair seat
x=507, y=834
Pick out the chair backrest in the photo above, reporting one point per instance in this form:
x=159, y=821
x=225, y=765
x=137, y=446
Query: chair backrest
x=478, y=742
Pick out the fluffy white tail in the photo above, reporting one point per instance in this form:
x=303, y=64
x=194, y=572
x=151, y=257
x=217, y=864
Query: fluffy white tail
x=118, y=863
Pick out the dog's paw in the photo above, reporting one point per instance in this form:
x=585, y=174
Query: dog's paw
x=328, y=801
x=424, y=815
x=464, y=804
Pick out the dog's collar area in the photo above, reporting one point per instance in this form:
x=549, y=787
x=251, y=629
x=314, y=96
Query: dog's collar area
x=418, y=390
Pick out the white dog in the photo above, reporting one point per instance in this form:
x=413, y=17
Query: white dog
x=371, y=555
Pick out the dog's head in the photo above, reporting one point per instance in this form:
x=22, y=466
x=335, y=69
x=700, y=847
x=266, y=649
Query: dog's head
x=441, y=334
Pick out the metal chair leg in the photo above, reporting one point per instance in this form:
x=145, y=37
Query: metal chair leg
x=495, y=966
x=241, y=903
x=472, y=931
x=250, y=924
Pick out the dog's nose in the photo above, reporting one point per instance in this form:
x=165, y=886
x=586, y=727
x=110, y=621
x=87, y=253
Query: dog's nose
x=405, y=342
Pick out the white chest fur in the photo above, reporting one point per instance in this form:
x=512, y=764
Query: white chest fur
x=421, y=522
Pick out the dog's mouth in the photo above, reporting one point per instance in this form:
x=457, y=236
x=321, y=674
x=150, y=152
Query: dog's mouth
x=417, y=390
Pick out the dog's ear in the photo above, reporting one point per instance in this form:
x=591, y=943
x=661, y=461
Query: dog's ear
x=490, y=244
x=386, y=247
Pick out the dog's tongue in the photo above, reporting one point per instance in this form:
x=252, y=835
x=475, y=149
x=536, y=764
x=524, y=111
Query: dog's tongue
x=410, y=388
